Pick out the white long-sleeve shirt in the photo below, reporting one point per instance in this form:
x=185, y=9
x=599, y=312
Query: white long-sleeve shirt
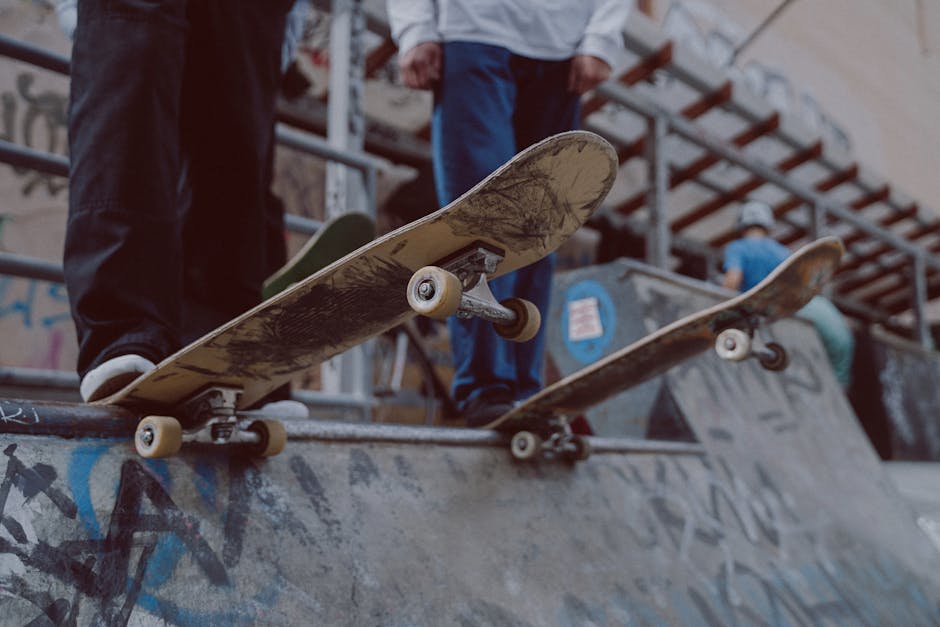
x=538, y=29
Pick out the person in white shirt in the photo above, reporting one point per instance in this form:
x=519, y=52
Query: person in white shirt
x=505, y=74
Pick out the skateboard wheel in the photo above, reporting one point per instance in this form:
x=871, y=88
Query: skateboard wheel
x=158, y=436
x=273, y=436
x=434, y=292
x=582, y=449
x=528, y=321
x=525, y=445
x=733, y=345
x=777, y=359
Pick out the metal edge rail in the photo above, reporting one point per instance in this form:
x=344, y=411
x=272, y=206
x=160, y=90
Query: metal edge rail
x=34, y=55
x=72, y=420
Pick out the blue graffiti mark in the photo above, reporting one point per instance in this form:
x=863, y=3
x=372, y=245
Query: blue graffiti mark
x=161, y=470
x=81, y=467
x=57, y=294
x=247, y=614
x=25, y=307
x=22, y=307
x=168, y=551
x=591, y=346
x=82, y=462
x=207, y=483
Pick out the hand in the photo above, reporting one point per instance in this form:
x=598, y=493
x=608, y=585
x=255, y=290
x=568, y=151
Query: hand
x=420, y=67
x=587, y=72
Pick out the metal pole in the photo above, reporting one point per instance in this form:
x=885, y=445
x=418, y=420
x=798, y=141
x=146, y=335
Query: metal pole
x=763, y=25
x=345, y=120
x=817, y=219
x=25, y=157
x=346, y=190
x=921, y=327
x=657, y=239
x=34, y=55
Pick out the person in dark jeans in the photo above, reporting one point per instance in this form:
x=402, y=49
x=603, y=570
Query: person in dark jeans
x=171, y=131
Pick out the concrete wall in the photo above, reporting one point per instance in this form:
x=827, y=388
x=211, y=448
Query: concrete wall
x=334, y=533
x=897, y=396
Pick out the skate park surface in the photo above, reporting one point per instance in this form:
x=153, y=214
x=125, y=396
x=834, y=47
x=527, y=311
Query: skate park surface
x=769, y=506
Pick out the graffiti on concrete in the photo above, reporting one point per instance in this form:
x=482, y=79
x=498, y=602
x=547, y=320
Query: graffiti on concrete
x=41, y=310
x=768, y=564
x=682, y=539
x=29, y=302
x=40, y=124
x=714, y=36
x=120, y=562
x=18, y=414
x=130, y=550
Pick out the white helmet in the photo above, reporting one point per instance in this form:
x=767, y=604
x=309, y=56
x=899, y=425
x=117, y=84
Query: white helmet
x=756, y=213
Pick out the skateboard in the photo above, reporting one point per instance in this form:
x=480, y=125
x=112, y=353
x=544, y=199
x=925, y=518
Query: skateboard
x=337, y=238
x=436, y=266
x=541, y=424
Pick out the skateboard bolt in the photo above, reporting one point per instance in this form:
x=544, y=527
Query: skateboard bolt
x=146, y=436
x=426, y=289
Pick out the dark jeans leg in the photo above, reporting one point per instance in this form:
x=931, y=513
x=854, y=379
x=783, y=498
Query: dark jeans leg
x=171, y=128
x=122, y=251
x=229, y=91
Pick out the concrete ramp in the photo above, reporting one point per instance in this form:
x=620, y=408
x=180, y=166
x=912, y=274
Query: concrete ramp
x=372, y=532
x=780, y=514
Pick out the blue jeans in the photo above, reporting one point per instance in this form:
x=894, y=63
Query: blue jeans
x=489, y=105
x=835, y=334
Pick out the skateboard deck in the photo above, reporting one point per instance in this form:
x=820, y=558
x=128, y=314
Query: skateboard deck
x=523, y=211
x=335, y=239
x=782, y=293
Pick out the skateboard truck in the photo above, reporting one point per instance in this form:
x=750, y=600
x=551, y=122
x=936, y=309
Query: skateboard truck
x=737, y=345
x=458, y=285
x=556, y=439
x=215, y=414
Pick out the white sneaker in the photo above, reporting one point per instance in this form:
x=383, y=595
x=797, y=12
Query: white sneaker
x=113, y=375
x=286, y=409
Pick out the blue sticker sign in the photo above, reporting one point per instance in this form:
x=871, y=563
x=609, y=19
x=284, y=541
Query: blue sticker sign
x=588, y=321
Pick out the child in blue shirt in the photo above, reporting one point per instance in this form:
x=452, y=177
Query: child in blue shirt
x=755, y=254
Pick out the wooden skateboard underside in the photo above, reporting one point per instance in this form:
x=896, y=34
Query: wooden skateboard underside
x=525, y=209
x=782, y=293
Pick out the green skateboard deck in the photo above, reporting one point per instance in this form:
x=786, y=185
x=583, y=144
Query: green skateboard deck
x=336, y=238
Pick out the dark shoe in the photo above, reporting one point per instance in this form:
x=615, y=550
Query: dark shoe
x=486, y=408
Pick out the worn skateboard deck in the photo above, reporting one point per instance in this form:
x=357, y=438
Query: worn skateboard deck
x=335, y=239
x=526, y=208
x=782, y=293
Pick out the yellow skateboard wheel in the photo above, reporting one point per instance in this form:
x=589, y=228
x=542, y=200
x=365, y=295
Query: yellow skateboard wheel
x=528, y=321
x=434, y=292
x=273, y=436
x=158, y=436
